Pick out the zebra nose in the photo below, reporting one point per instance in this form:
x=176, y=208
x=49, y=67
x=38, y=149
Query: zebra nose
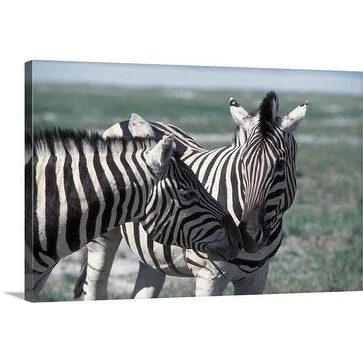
x=251, y=236
x=227, y=243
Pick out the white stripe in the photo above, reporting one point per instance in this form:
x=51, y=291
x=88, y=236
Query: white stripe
x=139, y=198
x=89, y=154
x=112, y=184
x=41, y=199
x=213, y=189
x=79, y=188
x=229, y=187
x=61, y=247
x=190, y=156
x=116, y=153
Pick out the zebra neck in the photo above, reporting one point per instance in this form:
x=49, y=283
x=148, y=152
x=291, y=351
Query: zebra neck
x=250, y=262
x=220, y=172
x=121, y=186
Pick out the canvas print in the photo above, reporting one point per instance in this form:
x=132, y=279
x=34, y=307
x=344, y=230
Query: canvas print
x=145, y=181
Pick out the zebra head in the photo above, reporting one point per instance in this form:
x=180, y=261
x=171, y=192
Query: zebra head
x=178, y=210
x=268, y=167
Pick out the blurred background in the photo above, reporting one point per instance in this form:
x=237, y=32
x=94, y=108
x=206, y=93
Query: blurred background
x=322, y=248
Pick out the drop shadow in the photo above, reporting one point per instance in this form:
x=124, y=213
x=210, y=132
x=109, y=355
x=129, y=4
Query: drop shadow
x=17, y=294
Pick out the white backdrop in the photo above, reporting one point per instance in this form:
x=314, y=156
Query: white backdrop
x=306, y=35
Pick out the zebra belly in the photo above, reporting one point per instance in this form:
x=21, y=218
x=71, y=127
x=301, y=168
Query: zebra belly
x=170, y=260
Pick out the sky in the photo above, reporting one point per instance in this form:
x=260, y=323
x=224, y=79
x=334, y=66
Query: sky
x=148, y=76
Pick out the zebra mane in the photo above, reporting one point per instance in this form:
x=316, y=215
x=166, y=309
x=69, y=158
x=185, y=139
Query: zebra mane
x=49, y=137
x=266, y=111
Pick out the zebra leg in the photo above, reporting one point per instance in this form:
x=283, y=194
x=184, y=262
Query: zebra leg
x=254, y=284
x=101, y=253
x=149, y=282
x=211, y=280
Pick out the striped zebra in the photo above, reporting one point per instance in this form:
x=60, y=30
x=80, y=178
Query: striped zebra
x=254, y=178
x=79, y=185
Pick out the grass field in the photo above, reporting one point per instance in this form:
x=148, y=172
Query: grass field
x=322, y=249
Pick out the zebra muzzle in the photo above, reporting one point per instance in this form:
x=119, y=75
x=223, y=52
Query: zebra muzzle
x=254, y=236
x=229, y=244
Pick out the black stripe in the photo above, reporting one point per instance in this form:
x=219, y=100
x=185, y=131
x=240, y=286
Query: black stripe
x=120, y=183
x=208, y=232
x=52, y=205
x=275, y=234
x=163, y=217
x=32, y=238
x=279, y=179
x=125, y=129
x=29, y=215
x=211, y=164
x=167, y=227
x=74, y=211
x=182, y=139
x=130, y=172
x=90, y=194
x=164, y=193
x=29, y=206
x=131, y=201
x=276, y=194
x=188, y=260
x=241, y=263
x=200, y=159
x=169, y=259
x=220, y=177
x=144, y=182
x=150, y=247
x=138, y=245
x=236, y=174
x=125, y=234
x=106, y=190
x=220, y=171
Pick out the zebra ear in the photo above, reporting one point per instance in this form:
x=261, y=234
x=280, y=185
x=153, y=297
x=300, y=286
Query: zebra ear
x=239, y=114
x=242, y=118
x=114, y=130
x=160, y=154
x=140, y=127
x=291, y=121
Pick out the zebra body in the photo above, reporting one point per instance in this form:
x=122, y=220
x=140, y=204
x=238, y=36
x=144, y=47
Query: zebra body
x=79, y=186
x=254, y=179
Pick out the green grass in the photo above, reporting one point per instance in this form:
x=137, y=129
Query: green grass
x=322, y=249
x=323, y=229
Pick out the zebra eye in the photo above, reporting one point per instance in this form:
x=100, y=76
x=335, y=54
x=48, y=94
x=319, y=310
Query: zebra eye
x=280, y=163
x=188, y=195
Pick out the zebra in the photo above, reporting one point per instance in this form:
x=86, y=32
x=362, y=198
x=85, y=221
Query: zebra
x=254, y=178
x=79, y=185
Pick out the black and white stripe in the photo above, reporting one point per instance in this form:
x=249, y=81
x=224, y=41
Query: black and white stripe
x=80, y=185
x=254, y=179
